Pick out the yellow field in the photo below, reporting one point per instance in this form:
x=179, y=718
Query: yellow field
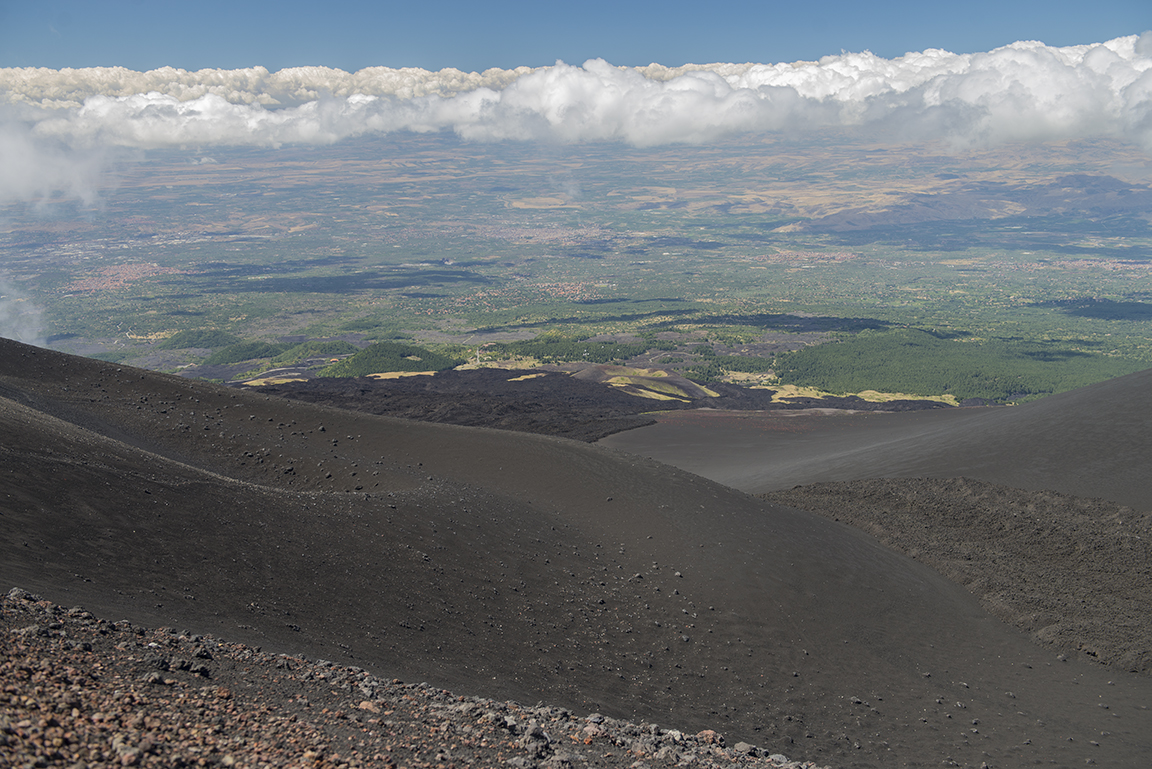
x=788, y=392
x=273, y=380
x=398, y=374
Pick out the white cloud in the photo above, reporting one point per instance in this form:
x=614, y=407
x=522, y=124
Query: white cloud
x=69, y=88
x=20, y=319
x=34, y=169
x=1024, y=91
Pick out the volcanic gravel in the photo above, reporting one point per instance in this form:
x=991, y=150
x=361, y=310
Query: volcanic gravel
x=81, y=691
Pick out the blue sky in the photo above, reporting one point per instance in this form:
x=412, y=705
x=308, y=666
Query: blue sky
x=146, y=34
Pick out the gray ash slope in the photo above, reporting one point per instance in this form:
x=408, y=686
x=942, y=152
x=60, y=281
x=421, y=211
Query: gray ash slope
x=1074, y=573
x=524, y=567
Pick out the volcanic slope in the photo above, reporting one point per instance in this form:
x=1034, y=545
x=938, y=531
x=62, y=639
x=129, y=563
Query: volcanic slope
x=521, y=566
x=1092, y=442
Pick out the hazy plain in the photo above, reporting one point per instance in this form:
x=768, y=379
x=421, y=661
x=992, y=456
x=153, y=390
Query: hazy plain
x=436, y=240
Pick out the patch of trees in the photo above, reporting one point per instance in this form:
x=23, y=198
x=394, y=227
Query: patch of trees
x=315, y=349
x=212, y=338
x=923, y=363
x=554, y=348
x=242, y=351
x=713, y=366
x=280, y=353
x=390, y=356
x=784, y=322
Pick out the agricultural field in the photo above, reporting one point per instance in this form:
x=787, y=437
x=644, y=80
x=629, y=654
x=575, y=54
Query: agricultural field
x=1003, y=275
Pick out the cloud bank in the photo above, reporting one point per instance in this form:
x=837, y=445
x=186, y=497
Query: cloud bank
x=20, y=318
x=36, y=170
x=1024, y=91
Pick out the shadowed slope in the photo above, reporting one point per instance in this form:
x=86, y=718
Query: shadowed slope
x=520, y=566
x=1091, y=442
x=1075, y=573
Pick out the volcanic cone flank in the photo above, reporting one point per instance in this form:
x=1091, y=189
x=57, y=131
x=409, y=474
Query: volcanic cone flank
x=518, y=566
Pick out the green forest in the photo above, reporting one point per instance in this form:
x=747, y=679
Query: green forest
x=925, y=363
x=557, y=348
x=390, y=356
